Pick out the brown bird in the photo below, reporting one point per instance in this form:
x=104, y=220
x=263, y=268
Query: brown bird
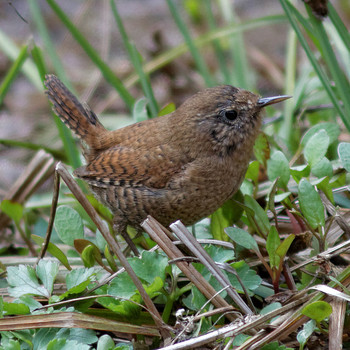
x=182, y=166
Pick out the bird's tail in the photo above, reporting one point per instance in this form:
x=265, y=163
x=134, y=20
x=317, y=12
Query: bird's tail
x=80, y=119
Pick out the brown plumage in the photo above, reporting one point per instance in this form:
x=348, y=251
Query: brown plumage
x=183, y=165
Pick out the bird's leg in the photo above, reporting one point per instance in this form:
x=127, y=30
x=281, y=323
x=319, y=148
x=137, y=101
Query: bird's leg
x=119, y=226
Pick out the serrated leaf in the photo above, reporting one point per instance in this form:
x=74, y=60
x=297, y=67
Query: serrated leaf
x=12, y=209
x=77, y=276
x=47, y=271
x=278, y=166
x=344, y=154
x=250, y=279
x=122, y=286
x=149, y=266
x=22, y=280
x=68, y=225
x=317, y=310
x=53, y=250
x=241, y=237
x=316, y=147
x=311, y=204
x=15, y=309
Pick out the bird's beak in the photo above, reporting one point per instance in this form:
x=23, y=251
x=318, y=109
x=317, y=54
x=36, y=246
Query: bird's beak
x=266, y=101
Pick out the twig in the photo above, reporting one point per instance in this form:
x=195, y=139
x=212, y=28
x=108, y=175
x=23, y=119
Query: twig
x=113, y=244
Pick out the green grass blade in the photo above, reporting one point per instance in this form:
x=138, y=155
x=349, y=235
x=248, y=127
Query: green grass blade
x=339, y=25
x=137, y=63
x=94, y=56
x=196, y=55
x=165, y=58
x=144, y=80
x=38, y=59
x=10, y=49
x=218, y=50
x=286, y=131
x=241, y=73
x=12, y=73
x=341, y=83
x=65, y=134
x=35, y=147
x=291, y=12
x=48, y=43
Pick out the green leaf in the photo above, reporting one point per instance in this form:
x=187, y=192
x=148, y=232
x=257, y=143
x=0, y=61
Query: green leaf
x=332, y=129
x=300, y=171
x=139, y=112
x=77, y=276
x=47, y=271
x=308, y=328
x=149, y=266
x=272, y=243
x=169, y=108
x=253, y=171
x=12, y=209
x=105, y=342
x=241, y=237
x=282, y=249
x=324, y=185
x=278, y=166
x=260, y=217
x=122, y=286
x=311, y=204
x=68, y=225
x=22, y=281
x=317, y=310
x=316, y=147
x=53, y=250
x=250, y=279
x=12, y=345
x=262, y=149
x=89, y=252
x=344, y=154
x=322, y=168
x=15, y=309
x=77, y=281
x=225, y=216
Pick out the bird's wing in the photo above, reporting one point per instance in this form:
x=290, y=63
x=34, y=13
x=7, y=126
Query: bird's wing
x=128, y=167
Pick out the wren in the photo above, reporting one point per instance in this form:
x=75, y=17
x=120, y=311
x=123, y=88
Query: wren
x=182, y=166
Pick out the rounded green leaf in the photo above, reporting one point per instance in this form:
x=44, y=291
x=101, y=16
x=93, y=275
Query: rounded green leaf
x=322, y=168
x=332, y=129
x=68, y=225
x=311, y=204
x=241, y=237
x=278, y=166
x=316, y=147
x=344, y=154
x=317, y=311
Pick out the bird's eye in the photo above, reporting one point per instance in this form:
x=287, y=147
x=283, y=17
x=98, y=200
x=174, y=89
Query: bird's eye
x=230, y=115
